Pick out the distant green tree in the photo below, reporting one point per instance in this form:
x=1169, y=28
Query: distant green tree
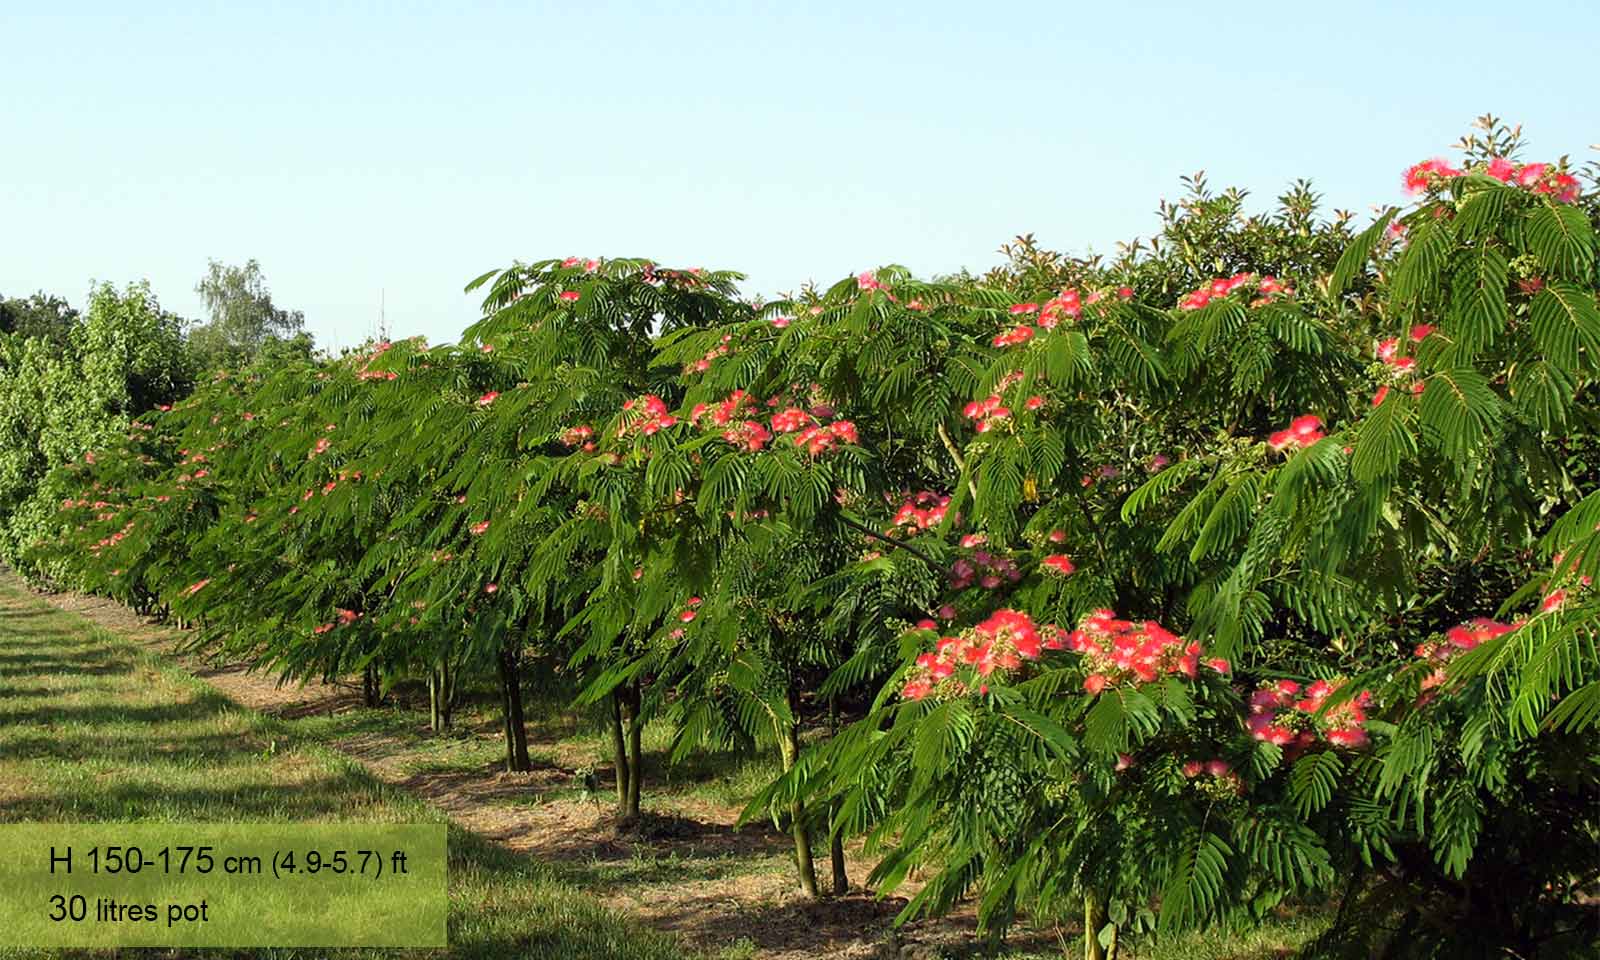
x=60, y=398
x=42, y=315
x=243, y=319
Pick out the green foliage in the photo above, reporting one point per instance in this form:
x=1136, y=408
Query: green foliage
x=243, y=321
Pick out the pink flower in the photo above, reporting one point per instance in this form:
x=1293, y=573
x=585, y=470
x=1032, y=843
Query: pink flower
x=781, y=322
x=1094, y=683
x=1530, y=173
x=1562, y=186
x=1014, y=336
x=196, y=587
x=1553, y=601
x=686, y=616
x=1420, y=331
x=1501, y=169
x=480, y=528
x=1193, y=768
x=1352, y=737
x=1422, y=175
x=1021, y=308
x=1057, y=564
x=488, y=398
x=1377, y=398
x=1033, y=403
x=1057, y=536
x=570, y=296
x=1303, y=432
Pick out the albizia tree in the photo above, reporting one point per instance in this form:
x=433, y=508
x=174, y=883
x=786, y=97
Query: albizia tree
x=1072, y=739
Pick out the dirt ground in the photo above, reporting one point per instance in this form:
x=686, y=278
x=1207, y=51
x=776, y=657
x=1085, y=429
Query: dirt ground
x=746, y=902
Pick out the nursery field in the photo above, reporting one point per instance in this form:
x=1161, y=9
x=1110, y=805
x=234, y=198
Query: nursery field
x=1231, y=596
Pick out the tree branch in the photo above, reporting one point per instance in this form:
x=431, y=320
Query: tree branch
x=955, y=454
x=863, y=528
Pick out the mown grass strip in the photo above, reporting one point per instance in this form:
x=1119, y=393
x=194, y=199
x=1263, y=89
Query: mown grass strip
x=94, y=729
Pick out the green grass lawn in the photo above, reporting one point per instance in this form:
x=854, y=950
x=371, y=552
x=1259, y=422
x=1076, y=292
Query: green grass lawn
x=94, y=729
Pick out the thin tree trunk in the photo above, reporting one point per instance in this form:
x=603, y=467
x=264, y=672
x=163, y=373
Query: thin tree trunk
x=516, y=727
x=841, y=880
x=506, y=733
x=630, y=809
x=1094, y=919
x=789, y=750
x=371, y=687
x=619, y=750
x=447, y=691
x=433, y=699
x=441, y=694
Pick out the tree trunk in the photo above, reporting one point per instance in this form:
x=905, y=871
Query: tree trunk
x=632, y=709
x=619, y=750
x=841, y=880
x=433, y=699
x=447, y=686
x=516, y=727
x=1094, y=919
x=441, y=696
x=371, y=687
x=789, y=749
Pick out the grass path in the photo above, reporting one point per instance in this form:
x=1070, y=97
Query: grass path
x=94, y=728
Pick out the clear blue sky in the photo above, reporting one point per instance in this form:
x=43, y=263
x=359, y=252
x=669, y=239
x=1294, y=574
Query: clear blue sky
x=409, y=147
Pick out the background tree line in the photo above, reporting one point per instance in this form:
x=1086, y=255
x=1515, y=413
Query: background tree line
x=72, y=379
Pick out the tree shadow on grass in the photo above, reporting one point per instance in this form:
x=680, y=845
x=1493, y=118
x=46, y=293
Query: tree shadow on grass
x=203, y=707
x=75, y=745
x=22, y=693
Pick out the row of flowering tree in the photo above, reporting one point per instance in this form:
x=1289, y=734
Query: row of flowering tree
x=1250, y=565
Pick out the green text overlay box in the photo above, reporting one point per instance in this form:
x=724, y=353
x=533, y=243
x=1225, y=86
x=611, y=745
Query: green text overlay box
x=222, y=885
